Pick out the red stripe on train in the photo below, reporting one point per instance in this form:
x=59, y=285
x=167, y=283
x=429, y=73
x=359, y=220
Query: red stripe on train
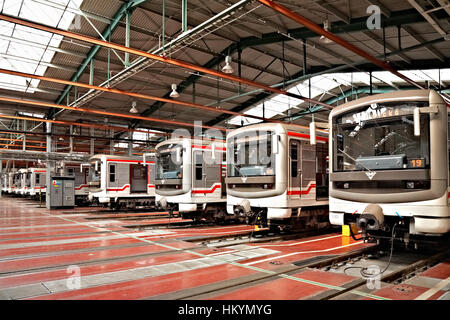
x=128, y=161
x=122, y=189
x=207, y=191
x=295, y=192
x=303, y=135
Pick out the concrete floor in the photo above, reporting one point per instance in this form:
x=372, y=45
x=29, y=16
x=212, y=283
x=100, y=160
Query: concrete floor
x=63, y=254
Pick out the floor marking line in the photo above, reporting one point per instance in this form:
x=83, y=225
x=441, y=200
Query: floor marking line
x=301, y=252
x=430, y=292
x=214, y=257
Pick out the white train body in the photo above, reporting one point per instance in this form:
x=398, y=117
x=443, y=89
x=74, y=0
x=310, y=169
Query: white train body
x=23, y=182
x=35, y=182
x=16, y=182
x=81, y=175
x=5, y=178
x=381, y=173
x=274, y=171
x=190, y=175
x=121, y=181
x=10, y=182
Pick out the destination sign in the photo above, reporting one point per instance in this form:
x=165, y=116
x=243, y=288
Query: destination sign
x=377, y=111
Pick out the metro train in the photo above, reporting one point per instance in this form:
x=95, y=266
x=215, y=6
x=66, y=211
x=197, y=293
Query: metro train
x=10, y=182
x=389, y=165
x=121, y=182
x=22, y=182
x=81, y=174
x=4, y=179
x=35, y=182
x=190, y=178
x=276, y=178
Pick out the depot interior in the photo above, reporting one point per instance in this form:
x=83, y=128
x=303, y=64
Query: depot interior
x=92, y=92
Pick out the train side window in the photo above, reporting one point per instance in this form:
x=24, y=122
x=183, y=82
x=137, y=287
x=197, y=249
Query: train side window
x=70, y=171
x=198, y=166
x=38, y=178
x=112, y=173
x=294, y=159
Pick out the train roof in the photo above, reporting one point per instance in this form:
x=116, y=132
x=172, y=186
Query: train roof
x=111, y=156
x=277, y=126
x=193, y=140
x=401, y=95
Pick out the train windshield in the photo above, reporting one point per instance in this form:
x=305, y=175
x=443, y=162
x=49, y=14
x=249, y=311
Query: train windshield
x=169, y=162
x=381, y=137
x=250, y=154
x=94, y=172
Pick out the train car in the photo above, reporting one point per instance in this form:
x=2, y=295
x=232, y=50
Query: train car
x=23, y=182
x=190, y=177
x=17, y=182
x=36, y=182
x=276, y=177
x=389, y=165
x=10, y=182
x=4, y=181
x=121, y=182
x=81, y=175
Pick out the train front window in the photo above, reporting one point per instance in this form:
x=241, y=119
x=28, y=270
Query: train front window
x=250, y=154
x=94, y=173
x=381, y=137
x=169, y=163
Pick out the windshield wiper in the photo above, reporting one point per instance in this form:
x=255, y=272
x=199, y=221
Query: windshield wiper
x=354, y=160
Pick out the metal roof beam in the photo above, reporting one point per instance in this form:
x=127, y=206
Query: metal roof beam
x=126, y=7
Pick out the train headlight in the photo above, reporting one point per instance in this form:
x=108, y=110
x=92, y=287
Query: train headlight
x=346, y=185
x=268, y=186
x=410, y=185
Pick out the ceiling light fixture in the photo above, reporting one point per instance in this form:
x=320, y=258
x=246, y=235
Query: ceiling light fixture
x=133, y=108
x=326, y=27
x=228, y=68
x=174, y=93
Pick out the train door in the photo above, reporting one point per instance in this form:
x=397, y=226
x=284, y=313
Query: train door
x=295, y=170
x=199, y=175
x=138, y=179
x=213, y=169
x=308, y=168
x=321, y=171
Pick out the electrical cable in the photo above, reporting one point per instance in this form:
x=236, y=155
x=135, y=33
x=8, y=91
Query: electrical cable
x=352, y=234
x=254, y=223
x=363, y=270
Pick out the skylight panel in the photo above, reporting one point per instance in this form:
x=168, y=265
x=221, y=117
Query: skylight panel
x=40, y=13
x=18, y=55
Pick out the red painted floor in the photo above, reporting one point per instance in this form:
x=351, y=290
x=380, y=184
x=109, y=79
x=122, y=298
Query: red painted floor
x=30, y=256
x=288, y=289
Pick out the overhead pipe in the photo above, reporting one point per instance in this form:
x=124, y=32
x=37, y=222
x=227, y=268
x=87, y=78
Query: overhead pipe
x=133, y=94
x=162, y=59
x=319, y=30
x=80, y=137
x=79, y=124
x=94, y=111
x=136, y=95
